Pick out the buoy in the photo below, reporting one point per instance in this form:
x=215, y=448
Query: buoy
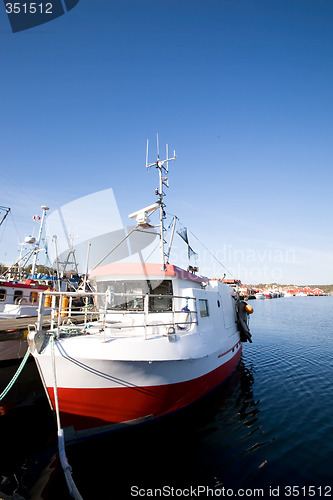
x=248, y=309
x=48, y=299
x=64, y=307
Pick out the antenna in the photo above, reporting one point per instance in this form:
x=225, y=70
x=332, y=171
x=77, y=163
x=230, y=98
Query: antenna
x=147, y=155
x=167, y=154
x=163, y=182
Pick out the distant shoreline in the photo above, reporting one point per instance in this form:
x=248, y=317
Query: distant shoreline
x=327, y=289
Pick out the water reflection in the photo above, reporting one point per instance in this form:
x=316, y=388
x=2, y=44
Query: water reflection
x=202, y=444
x=267, y=425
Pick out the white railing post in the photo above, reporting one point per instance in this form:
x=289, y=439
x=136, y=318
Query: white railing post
x=40, y=316
x=70, y=304
x=145, y=313
x=86, y=309
x=53, y=306
x=173, y=307
x=107, y=296
x=59, y=315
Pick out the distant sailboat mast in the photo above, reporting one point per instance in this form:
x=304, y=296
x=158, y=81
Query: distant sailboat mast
x=37, y=243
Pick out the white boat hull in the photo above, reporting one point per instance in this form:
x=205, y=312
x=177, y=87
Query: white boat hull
x=143, y=362
x=96, y=392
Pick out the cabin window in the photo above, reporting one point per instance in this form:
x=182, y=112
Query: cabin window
x=33, y=297
x=162, y=289
x=125, y=295
x=203, y=308
x=129, y=295
x=2, y=294
x=18, y=294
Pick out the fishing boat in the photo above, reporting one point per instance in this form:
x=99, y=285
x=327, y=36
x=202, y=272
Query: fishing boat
x=19, y=297
x=164, y=337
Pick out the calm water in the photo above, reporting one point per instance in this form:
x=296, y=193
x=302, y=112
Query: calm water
x=269, y=426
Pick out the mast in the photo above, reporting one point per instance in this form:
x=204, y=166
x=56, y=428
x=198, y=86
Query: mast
x=163, y=168
x=36, y=250
x=171, y=238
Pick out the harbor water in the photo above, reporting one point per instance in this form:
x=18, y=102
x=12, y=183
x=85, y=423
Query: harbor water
x=266, y=432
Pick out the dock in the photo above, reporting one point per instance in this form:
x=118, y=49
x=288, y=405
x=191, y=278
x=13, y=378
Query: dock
x=19, y=326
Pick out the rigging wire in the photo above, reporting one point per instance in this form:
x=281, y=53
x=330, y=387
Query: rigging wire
x=211, y=253
x=26, y=256
x=13, y=221
x=206, y=248
x=114, y=248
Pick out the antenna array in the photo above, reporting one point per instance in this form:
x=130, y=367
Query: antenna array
x=163, y=169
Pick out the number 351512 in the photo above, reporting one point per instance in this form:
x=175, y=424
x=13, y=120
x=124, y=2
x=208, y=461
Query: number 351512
x=28, y=8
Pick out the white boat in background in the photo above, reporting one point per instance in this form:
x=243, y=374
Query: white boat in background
x=20, y=297
x=164, y=337
x=260, y=295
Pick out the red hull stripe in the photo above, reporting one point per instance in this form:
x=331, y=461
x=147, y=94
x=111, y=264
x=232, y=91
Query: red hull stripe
x=85, y=408
x=226, y=352
x=33, y=287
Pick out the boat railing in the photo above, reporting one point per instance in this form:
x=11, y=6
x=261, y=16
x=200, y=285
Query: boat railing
x=68, y=308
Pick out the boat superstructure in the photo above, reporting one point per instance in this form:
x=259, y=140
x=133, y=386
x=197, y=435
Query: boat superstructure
x=19, y=297
x=163, y=338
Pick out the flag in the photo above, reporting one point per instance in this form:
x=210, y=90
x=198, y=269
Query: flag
x=183, y=234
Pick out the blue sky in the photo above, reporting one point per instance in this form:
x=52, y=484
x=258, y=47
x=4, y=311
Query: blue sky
x=243, y=90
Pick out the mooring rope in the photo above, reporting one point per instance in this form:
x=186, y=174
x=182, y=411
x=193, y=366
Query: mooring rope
x=17, y=373
x=61, y=440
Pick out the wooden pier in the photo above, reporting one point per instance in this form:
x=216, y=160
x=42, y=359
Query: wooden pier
x=14, y=332
x=13, y=324
x=22, y=324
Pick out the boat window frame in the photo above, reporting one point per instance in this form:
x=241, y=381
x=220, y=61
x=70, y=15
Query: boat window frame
x=18, y=295
x=33, y=297
x=204, y=311
x=160, y=302
x=128, y=295
x=3, y=294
